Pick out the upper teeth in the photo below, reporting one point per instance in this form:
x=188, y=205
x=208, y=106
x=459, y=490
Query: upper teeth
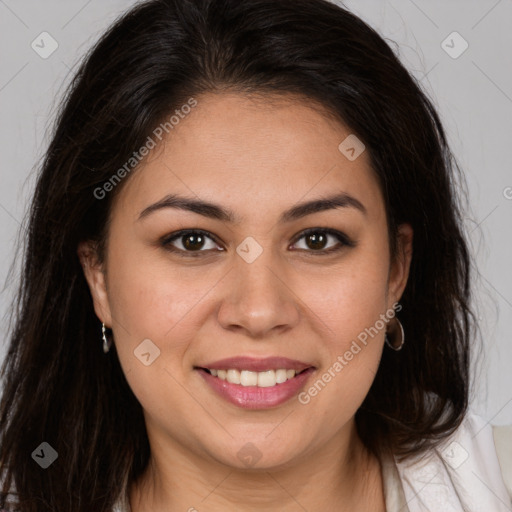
x=260, y=379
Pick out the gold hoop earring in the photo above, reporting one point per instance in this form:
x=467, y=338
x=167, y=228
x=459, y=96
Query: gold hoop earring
x=398, y=335
x=107, y=343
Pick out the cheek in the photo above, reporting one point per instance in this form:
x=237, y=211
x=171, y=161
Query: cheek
x=350, y=303
x=351, y=296
x=152, y=303
x=152, y=308
x=149, y=294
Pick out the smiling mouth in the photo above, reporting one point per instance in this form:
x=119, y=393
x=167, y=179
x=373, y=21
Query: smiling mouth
x=265, y=379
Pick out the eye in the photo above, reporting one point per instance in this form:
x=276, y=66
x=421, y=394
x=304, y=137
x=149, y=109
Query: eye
x=316, y=240
x=196, y=242
x=190, y=241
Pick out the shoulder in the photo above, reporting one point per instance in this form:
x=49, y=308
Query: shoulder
x=503, y=442
x=490, y=445
x=462, y=473
x=483, y=451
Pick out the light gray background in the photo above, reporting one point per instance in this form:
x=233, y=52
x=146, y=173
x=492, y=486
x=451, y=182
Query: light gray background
x=473, y=94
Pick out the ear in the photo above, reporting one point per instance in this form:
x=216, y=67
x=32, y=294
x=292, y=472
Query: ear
x=95, y=276
x=399, y=269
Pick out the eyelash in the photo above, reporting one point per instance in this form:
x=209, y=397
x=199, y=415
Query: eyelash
x=342, y=238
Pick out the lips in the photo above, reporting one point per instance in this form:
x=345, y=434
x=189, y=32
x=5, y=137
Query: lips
x=256, y=383
x=254, y=397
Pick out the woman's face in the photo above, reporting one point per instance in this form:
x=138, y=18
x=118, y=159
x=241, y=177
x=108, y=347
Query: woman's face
x=253, y=287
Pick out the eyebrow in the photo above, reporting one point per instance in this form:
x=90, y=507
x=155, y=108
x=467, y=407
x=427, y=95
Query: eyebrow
x=217, y=212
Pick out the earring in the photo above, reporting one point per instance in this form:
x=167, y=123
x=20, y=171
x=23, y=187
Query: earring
x=398, y=335
x=107, y=343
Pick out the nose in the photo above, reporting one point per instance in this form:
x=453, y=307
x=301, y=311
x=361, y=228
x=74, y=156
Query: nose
x=258, y=299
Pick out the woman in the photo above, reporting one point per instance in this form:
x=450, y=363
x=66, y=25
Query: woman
x=246, y=284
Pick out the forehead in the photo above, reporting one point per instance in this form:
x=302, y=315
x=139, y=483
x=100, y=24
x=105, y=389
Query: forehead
x=247, y=150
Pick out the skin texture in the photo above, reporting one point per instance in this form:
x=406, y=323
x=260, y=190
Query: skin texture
x=257, y=159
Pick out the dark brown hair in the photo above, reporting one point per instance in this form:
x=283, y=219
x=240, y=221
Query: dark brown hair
x=60, y=388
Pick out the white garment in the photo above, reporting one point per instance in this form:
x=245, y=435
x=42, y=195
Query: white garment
x=470, y=472
x=461, y=475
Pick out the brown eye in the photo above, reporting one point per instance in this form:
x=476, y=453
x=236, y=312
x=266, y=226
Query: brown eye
x=317, y=240
x=193, y=241
x=190, y=241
